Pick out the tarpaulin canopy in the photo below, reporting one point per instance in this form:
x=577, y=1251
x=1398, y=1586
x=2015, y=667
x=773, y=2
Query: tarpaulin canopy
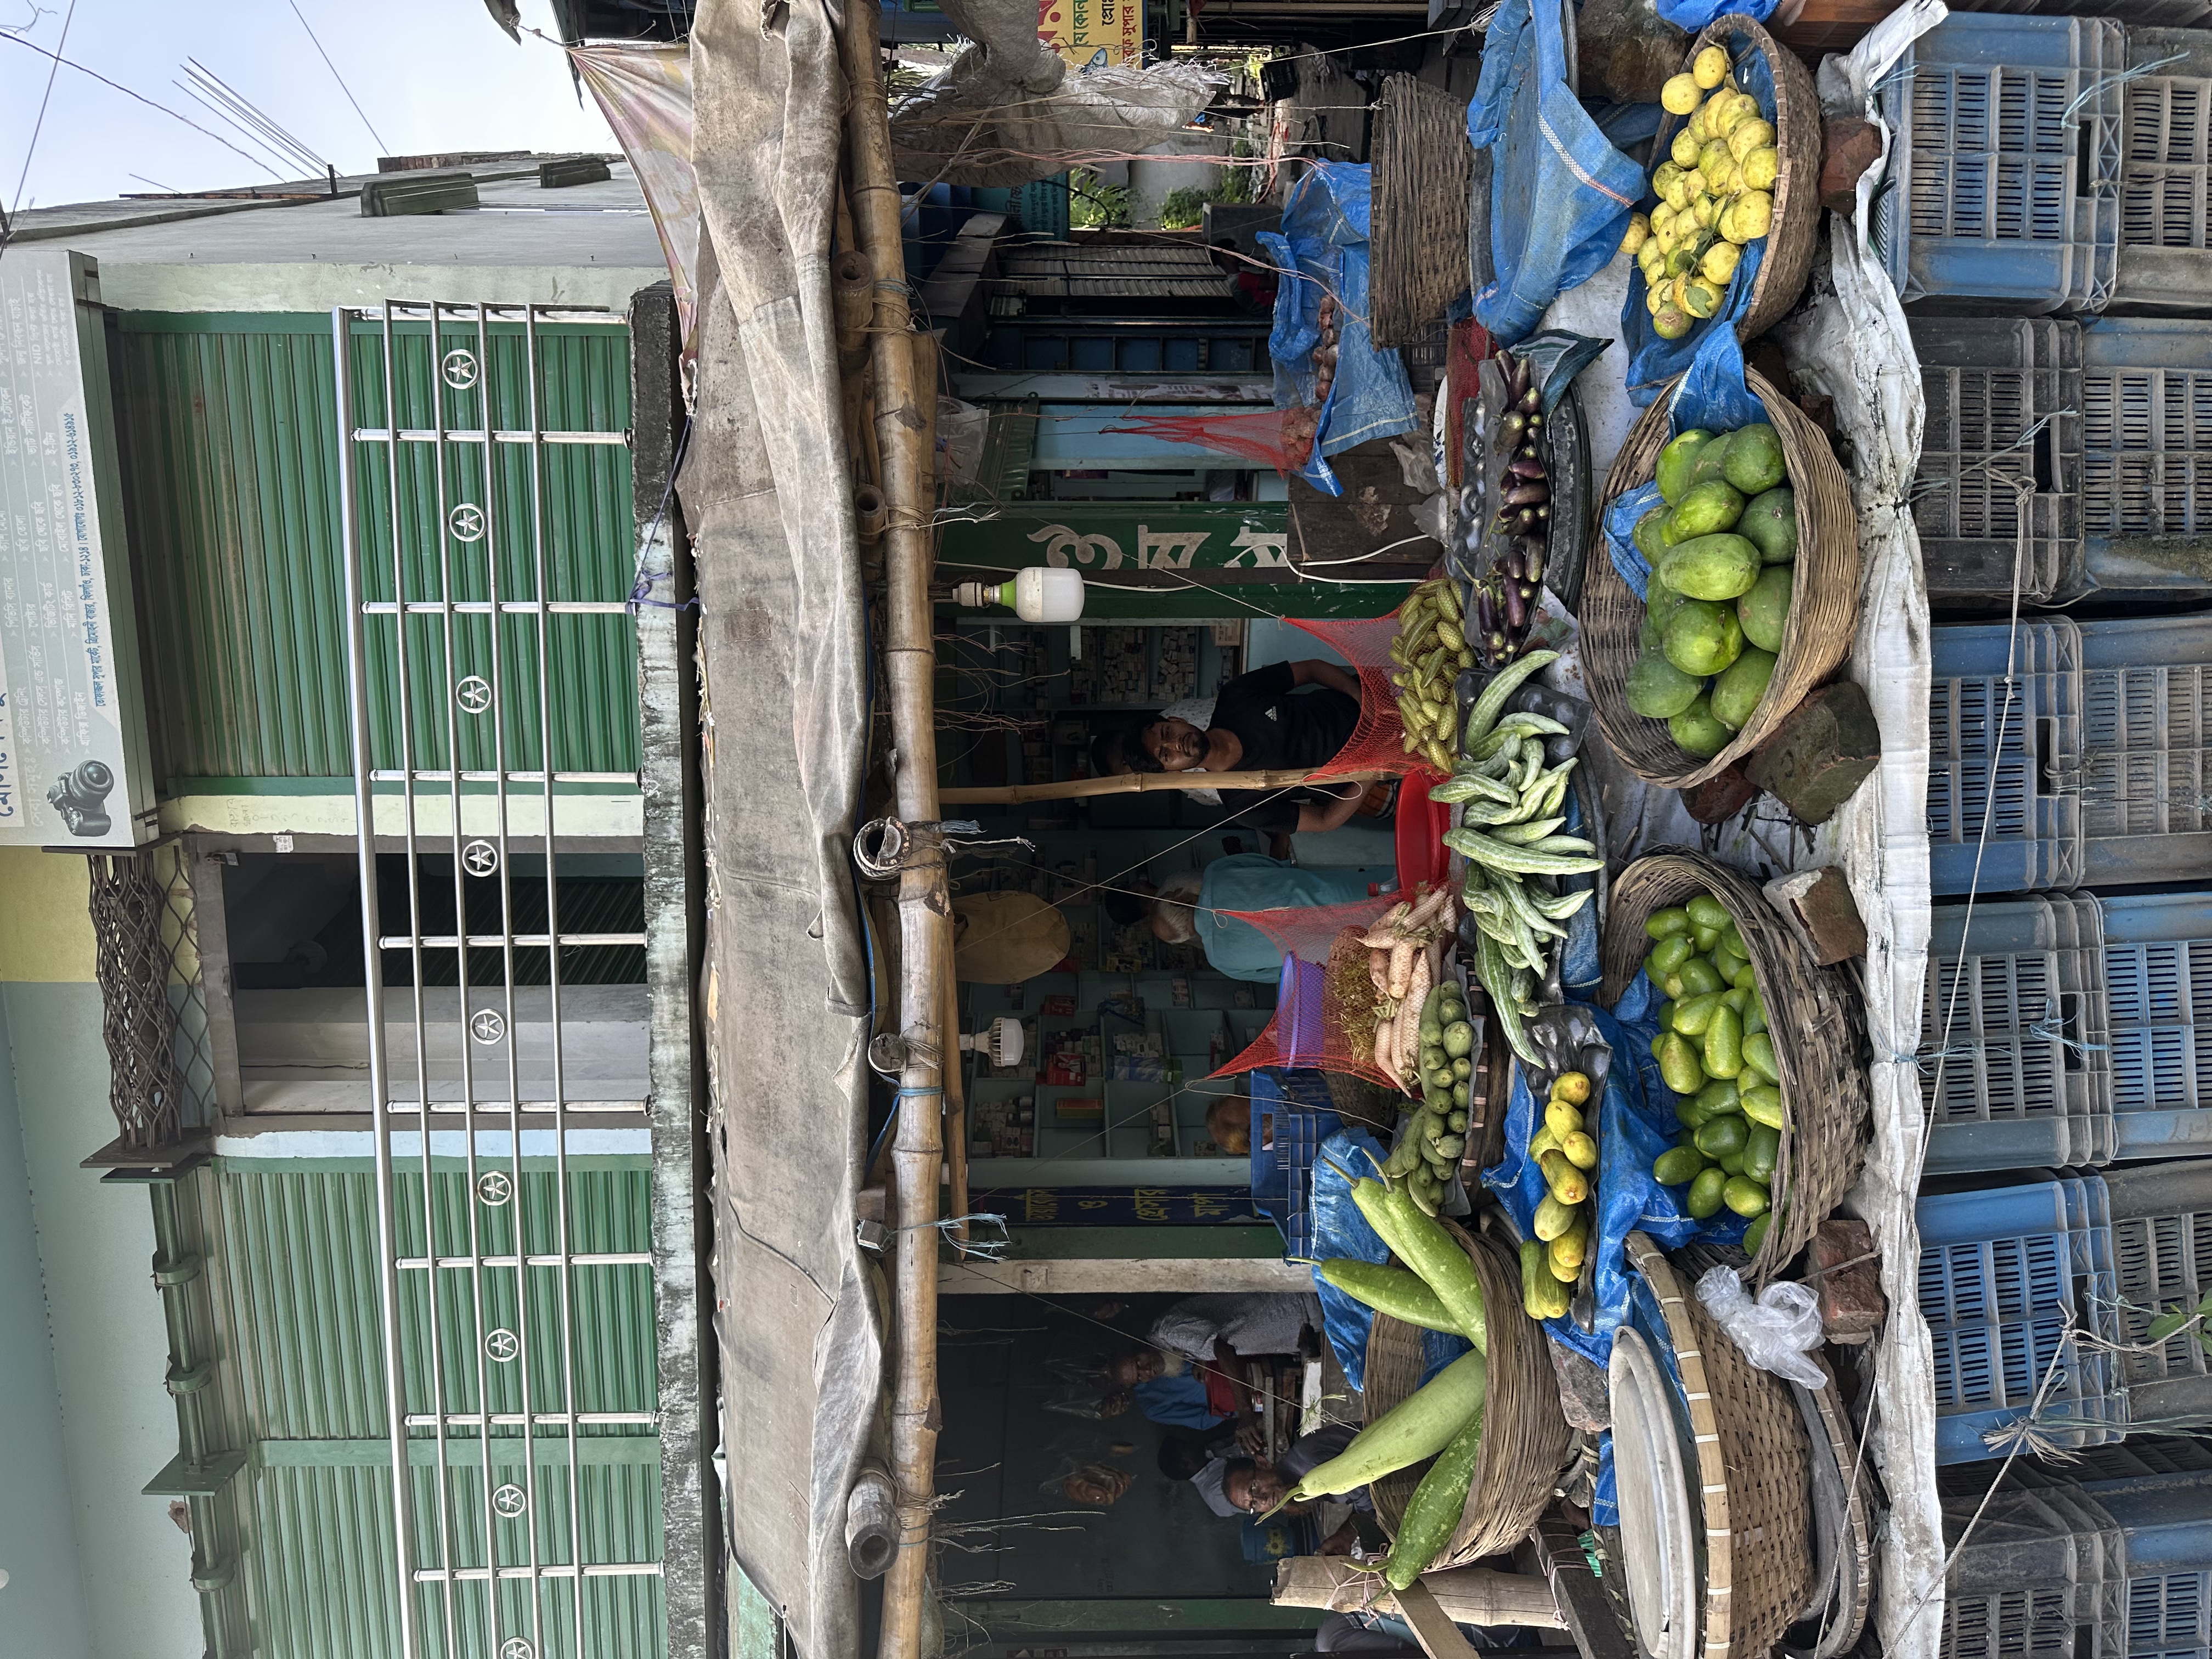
x=645, y=93
x=767, y=499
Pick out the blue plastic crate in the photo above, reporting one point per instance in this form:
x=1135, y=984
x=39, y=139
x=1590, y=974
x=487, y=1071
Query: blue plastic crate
x=2158, y=983
x=2161, y=1221
x=2166, y=181
x=2005, y=1276
x=2146, y=448
x=2005, y=164
x=1301, y=1117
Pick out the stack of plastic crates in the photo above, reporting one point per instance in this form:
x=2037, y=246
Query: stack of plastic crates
x=2145, y=440
x=2005, y=163
x=2038, y=1298
x=2011, y=1279
x=1997, y=495
x=2075, y=1561
x=1299, y=1116
x=2069, y=754
x=2061, y=1028
x=2166, y=179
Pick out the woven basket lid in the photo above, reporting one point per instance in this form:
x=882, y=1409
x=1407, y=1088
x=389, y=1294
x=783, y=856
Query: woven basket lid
x=1659, y=1530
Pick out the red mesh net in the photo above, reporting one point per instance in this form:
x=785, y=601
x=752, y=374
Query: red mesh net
x=1377, y=743
x=1257, y=435
x=1314, y=1028
x=1310, y=932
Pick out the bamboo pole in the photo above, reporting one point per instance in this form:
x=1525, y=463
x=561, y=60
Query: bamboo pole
x=1140, y=783
x=1467, y=1596
x=903, y=371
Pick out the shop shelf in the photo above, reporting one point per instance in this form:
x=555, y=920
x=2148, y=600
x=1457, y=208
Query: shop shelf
x=2068, y=1034
x=2007, y=1276
x=1998, y=487
x=2166, y=171
x=2099, y=732
x=2005, y=165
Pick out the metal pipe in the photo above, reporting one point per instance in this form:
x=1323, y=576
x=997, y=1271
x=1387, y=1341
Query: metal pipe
x=904, y=368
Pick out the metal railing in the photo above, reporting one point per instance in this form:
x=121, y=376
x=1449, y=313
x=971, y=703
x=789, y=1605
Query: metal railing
x=449, y=1369
x=154, y=1002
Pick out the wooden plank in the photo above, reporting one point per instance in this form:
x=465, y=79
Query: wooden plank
x=1468, y=1595
x=1432, y=1627
x=1137, y=783
x=1122, y=1276
x=1581, y=1599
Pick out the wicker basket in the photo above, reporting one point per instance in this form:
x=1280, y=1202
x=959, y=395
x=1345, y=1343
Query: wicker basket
x=1787, y=260
x=1753, y=1472
x=1824, y=603
x=1824, y=1082
x=1524, y=1439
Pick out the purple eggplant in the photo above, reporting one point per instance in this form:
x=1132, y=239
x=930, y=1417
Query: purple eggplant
x=1485, y=609
x=1517, y=609
x=1513, y=427
x=1497, y=641
x=1543, y=510
x=1523, y=467
x=1531, y=494
x=1533, y=566
x=1515, y=565
x=1531, y=401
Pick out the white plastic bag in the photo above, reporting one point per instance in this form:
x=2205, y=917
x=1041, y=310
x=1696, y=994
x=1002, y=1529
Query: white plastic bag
x=1775, y=1333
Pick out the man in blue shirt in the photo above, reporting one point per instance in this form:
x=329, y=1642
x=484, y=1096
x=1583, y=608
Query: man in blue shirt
x=1192, y=905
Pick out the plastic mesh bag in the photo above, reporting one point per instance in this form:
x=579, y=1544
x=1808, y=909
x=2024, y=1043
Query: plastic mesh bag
x=1377, y=743
x=1310, y=1028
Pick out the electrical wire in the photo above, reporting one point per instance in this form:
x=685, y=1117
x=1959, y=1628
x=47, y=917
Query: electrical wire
x=118, y=86
x=8, y=220
x=380, y=145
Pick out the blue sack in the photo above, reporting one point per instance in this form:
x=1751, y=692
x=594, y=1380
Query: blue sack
x=1560, y=194
x=1692, y=16
x=1636, y=1123
x=1322, y=249
x=1653, y=361
x=1340, y=1231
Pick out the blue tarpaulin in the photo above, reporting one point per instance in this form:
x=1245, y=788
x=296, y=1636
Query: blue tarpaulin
x=1694, y=14
x=1340, y=1231
x=1560, y=194
x=1653, y=361
x=1324, y=239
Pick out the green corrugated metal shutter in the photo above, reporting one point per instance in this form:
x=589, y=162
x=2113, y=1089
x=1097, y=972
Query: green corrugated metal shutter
x=297, y=1300
x=228, y=432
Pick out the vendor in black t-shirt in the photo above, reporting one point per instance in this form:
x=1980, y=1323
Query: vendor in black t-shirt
x=1262, y=722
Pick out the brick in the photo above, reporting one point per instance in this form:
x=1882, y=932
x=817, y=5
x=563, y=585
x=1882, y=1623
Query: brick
x=1720, y=797
x=1847, y=1274
x=1824, y=750
x=1848, y=147
x=1826, y=916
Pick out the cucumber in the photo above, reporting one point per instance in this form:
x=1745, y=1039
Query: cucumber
x=1420, y=1427
x=1393, y=1291
x=1492, y=703
x=1497, y=978
x=1542, y=1297
x=1438, y=1502
x=1519, y=860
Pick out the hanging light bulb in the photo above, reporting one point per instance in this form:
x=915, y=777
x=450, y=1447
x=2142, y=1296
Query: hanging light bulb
x=1038, y=595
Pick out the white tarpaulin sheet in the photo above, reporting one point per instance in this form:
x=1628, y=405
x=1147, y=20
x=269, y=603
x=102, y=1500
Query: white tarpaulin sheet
x=1851, y=342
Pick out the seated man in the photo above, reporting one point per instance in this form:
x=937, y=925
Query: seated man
x=1221, y=1336
x=1254, y=1486
x=1175, y=1397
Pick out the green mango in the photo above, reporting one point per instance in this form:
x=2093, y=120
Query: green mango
x=1764, y=611
x=1746, y=1196
x=1660, y=602
x=1704, y=638
x=1760, y=1149
x=1752, y=460
x=1665, y=924
x=1676, y=461
x=1707, y=510
x=1769, y=523
x=1648, y=534
x=1706, y=1193
x=1657, y=690
x=1677, y=1165
x=1705, y=466
x=1716, y=568
x=1719, y=1097
x=1722, y=1136
x=1696, y=730
x=1755, y=1235
x=1706, y=911
x=1736, y=693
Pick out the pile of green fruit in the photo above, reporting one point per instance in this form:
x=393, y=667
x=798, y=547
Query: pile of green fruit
x=1715, y=1053
x=1722, y=546
x=1437, y=1134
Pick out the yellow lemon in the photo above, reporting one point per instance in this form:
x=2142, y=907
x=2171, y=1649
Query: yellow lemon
x=1682, y=259
x=1638, y=232
x=1710, y=67
x=1685, y=148
x=1719, y=263
x=1754, y=214
x=1663, y=175
x=1761, y=167
x=1661, y=216
x=1706, y=210
x=1670, y=323
x=1681, y=192
x=1754, y=134
x=1696, y=125
x=1735, y=108
x=1680, y=94
x=1700, y=298
x=1655, y=295
x=1714, y=162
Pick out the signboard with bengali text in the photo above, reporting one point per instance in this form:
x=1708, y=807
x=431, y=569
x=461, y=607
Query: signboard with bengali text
x=73, y=761
x=1093, y=34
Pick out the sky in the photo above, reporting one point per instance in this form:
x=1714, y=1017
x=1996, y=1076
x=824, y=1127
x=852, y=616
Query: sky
x=429, y=74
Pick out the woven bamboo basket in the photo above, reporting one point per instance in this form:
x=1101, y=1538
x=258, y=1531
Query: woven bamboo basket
x=1820, y=1033
x=1824, y=602
x=1753, y=1471
x=1525, y=1440
x=1787, y=261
